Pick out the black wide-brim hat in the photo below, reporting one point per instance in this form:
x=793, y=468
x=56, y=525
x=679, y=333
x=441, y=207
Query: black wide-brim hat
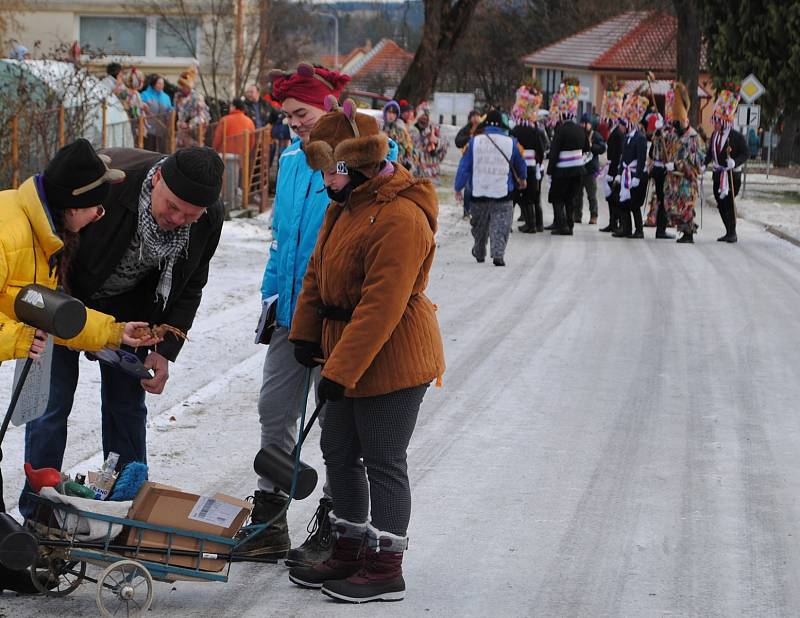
x=78, y=177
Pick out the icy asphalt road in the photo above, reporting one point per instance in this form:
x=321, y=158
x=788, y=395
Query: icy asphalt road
x=617, y=434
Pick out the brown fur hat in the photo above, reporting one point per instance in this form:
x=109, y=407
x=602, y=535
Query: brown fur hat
x=345, y=136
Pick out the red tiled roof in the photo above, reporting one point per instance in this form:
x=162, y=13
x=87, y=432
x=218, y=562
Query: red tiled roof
x=632, y=41
x=583, y=48
x=650, y=46
x=387, y=60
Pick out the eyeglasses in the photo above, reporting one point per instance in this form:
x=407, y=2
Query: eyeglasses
x=99, y=213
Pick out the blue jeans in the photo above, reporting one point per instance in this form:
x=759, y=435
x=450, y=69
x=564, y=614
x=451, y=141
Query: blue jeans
x=124, y=415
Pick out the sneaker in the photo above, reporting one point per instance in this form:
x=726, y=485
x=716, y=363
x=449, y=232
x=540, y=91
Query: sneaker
x=318, y=546
x=274, y=541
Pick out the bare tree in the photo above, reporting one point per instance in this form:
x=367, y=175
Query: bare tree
x=688, y=48
x=445, y=23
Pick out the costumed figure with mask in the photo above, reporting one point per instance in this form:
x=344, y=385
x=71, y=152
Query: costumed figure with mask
x=569, y=152
x=533, y=139
x=611, y=114
x=657, y=130
x=727, y=153
x=632, y=171
x=683, y=155
x=429, y=147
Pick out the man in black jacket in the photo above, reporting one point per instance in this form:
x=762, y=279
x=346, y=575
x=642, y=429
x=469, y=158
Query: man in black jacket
x=632, y=174
x=597, y=146
x=147, y=257
x=727, y=152
x=566, y=160
x=615, y=144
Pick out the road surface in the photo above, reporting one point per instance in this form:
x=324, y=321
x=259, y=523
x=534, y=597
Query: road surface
x=617, y=434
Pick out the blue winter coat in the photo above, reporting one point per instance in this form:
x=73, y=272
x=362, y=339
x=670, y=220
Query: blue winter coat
x=298, y=210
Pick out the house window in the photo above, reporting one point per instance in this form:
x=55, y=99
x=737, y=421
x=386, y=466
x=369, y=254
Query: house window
x=176, y=37
x=125, y=36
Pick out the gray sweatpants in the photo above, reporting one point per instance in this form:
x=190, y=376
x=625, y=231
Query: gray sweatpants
x=490, y=220
x=364, y=443
x=283, y=393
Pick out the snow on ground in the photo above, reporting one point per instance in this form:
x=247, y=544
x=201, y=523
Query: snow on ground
x=773, y=201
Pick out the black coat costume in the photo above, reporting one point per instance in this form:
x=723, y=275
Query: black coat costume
x=717, y=155
x=634, y=152
x=565, y=183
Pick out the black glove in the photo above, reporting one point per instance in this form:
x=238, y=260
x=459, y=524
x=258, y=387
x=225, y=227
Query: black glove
x=306, y=351
x=328, y=390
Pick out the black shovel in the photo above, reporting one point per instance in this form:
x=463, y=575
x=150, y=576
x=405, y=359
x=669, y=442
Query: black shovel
x=277, y=465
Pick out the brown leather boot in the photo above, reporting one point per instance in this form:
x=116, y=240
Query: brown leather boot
x=346, y=559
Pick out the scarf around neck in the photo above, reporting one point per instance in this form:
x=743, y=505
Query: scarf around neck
x=155, y=244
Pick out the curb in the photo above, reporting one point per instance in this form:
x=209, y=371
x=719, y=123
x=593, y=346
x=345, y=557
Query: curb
x=782, y=235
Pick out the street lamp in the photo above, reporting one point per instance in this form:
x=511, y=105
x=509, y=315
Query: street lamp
x=335, y=37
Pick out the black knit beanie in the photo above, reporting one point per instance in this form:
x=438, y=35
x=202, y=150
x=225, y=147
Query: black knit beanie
x=194, y=175
x=77, y=177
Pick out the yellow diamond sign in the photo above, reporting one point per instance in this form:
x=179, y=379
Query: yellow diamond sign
x=751, y=88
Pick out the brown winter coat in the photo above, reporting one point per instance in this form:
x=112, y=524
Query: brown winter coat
x=373, y=255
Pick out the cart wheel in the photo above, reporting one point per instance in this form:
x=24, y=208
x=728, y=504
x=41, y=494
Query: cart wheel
x=125, y=588
x=56, y=577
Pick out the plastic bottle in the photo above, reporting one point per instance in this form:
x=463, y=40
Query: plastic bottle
x=102, y=482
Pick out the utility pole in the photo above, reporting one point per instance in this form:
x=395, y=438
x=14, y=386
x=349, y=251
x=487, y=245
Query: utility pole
x=335, y=38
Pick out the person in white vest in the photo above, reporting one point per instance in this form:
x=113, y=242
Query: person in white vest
x=494, y=163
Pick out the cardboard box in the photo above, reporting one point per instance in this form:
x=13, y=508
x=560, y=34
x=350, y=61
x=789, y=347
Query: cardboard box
x=163, y=505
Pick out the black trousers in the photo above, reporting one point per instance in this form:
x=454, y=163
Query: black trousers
x=564, y=192
x=529, y=201
x=726, y=205
x=364, y=442
x=659, y=175
x=633, y=208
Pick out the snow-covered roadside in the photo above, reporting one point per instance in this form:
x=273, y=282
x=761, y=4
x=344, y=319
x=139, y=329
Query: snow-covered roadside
x=773, y=201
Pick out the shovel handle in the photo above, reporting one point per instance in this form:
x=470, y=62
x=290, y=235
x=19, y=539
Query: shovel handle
x=14, y=398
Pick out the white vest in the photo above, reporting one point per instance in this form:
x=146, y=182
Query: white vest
x=489, y=168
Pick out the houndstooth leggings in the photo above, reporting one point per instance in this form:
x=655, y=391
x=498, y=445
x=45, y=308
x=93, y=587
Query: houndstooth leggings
x=371, y=433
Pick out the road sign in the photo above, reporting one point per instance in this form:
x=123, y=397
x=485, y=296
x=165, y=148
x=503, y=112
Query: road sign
x=751, y=89
x=748, y=116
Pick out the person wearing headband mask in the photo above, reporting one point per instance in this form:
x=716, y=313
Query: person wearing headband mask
x=683, y=164
x=363, y=312
x=298, y=210
x=147, y=258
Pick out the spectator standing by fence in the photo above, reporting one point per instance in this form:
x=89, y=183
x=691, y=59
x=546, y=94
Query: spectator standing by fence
x=192, y=111
x=159, y=107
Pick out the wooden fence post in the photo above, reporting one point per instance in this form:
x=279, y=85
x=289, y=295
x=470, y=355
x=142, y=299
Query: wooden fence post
x=103, y=131
x=60, y=126
x=140, y=133
x=172, y=135
x=14, y=151
x=245, y=169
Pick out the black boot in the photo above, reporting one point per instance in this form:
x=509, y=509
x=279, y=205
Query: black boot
x=638, y=231
x=625, y=228
x=319, y=544
x=661, y=224
x=688, y=237
x=729, y=219
x=273, y=542
x=537, y=211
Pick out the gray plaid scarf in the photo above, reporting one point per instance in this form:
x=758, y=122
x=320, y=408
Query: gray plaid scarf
x=155, y=244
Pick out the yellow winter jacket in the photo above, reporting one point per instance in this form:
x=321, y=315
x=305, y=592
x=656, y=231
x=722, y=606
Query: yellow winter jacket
x=27, y=244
